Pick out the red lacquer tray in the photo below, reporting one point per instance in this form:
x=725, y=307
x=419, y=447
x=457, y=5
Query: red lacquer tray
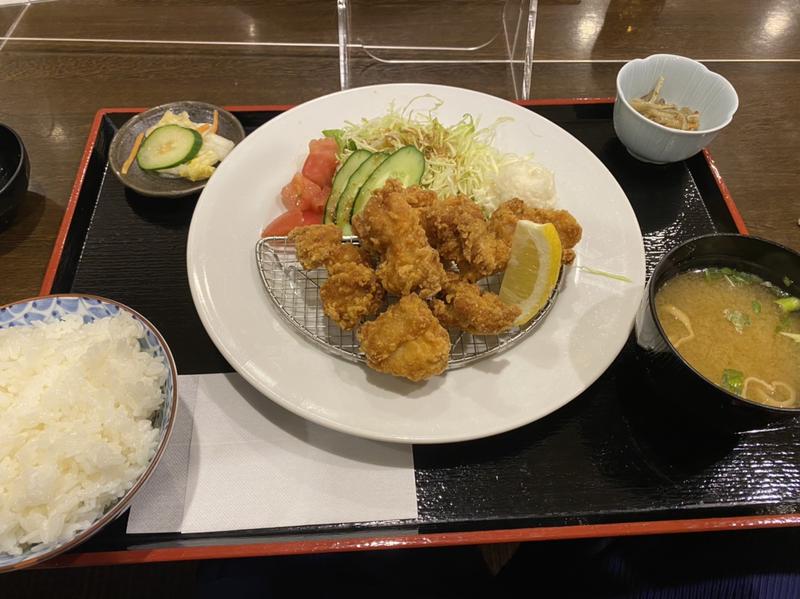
x=597, y=467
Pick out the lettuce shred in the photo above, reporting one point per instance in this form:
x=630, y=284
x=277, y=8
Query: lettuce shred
x=460, y=158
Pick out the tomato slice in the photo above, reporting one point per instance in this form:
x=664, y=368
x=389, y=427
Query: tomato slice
x=295, y=193
x=284, y=223
x=302, y=193
x=319, y=200
x=319, y=168
x=324, y=145
x=312, y=217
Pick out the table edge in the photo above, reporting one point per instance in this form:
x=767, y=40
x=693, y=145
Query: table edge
x=416, y=541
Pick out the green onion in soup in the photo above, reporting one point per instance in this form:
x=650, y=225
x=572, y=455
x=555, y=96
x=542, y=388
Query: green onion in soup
x=740, y=332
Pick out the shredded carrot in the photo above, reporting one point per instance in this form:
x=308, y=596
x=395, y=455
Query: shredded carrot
x=132, y=156
x=203, y=128
x=215, y=125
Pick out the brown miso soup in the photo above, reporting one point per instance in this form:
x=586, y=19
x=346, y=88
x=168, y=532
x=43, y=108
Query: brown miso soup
x=739, y=331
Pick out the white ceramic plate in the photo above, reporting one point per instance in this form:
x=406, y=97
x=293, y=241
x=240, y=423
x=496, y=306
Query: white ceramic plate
x=577, y=341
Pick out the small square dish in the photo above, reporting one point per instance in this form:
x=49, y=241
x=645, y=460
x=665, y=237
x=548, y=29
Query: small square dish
x=151, y=182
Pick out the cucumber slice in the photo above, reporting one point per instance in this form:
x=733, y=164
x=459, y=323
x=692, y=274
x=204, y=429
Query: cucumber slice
x=168, y=146
x=344, y=208
x=350, y=166
x=406, y=165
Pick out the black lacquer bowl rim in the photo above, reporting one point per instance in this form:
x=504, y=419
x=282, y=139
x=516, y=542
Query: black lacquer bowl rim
x=20, y=164
x=656, y=284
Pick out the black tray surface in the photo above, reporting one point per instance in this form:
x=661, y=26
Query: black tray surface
x=614, y=454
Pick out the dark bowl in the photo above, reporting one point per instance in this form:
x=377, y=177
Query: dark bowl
x=674, y=380
x=14, y=170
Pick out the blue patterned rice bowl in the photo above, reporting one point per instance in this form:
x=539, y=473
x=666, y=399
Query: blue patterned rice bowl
x=51, y=308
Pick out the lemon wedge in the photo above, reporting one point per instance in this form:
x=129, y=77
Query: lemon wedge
x=533, y=268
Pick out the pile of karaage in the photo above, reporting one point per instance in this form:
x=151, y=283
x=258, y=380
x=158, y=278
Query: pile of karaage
x=351, y=292
x=430, y=252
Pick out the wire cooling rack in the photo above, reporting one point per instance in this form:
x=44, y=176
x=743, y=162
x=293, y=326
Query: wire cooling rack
x=295, y=293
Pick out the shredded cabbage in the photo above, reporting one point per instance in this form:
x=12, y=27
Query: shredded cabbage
x=458, y=159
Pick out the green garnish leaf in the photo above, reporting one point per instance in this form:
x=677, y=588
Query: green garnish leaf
x=735, y=278
x=787, y=281
x=733, y=380
x=602, y=273
x=756, y=306
x=782, y=323
x=788, y=304
x=740, y=279
x=338, y=135
x=750, y=278
x=737, y=319
x=793, y=336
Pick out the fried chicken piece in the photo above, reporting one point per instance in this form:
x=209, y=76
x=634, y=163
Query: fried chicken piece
x=411, y=270
x=377, y=231
x=417, y=197
x=391, y=228
x=504, y=221
x=406, y=340
x=321, y=245
x=315, y=243
x=457, y=228
x=347, y=252
x=466, y=306
x=351, y=293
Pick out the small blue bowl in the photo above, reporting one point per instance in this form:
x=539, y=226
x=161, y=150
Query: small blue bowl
x=49, y=308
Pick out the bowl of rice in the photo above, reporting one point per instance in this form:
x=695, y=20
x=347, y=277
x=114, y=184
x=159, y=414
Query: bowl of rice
x=88, y=397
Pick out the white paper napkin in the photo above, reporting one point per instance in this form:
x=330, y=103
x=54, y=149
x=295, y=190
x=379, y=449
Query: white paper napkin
x=238, y=461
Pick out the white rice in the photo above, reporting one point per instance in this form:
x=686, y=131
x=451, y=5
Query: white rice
x=75, y=431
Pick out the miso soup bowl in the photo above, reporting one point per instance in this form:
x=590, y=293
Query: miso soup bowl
x=676, y=383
